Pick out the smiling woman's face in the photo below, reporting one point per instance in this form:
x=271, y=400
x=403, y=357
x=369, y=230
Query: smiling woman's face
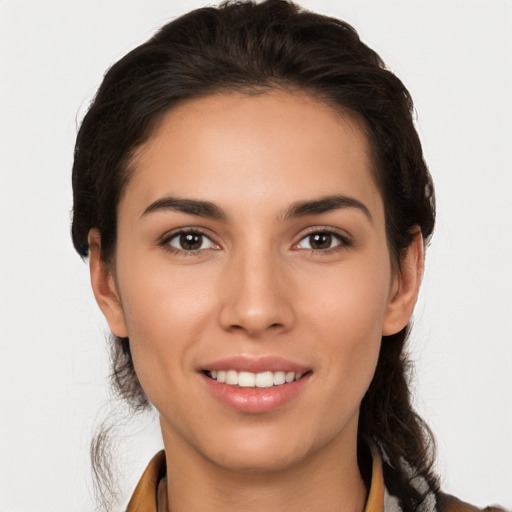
x=252, y=247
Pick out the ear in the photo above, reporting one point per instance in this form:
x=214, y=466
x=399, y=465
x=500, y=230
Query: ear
x=405, y=289
x=104, y=287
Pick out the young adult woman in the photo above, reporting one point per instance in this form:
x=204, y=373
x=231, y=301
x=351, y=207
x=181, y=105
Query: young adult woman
x=251, y=194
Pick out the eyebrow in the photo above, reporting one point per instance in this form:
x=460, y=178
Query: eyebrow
x=324, y=205
x=299, y=209
x=189, y=206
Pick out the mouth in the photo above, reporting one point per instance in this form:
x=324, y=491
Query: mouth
x=264, y=379
x=256, y=384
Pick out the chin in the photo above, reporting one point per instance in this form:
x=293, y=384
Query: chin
x=261, y=450
x=260, y=461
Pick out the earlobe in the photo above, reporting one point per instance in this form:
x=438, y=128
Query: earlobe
x=105, y=288
x=405, y=291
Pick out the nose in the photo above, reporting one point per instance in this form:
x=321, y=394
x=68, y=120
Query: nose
x=256, y=295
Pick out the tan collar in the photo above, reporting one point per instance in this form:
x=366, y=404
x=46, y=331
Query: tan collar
x=152, y=490
x=144, y=498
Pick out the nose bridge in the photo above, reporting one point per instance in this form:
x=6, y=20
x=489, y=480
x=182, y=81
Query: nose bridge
x=254, y=298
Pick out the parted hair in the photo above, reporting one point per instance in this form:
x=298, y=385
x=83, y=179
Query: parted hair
x=251, y=48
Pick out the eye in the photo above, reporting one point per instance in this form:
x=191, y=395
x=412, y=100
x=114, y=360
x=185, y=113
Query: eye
x=190, y=241
x=322, y=241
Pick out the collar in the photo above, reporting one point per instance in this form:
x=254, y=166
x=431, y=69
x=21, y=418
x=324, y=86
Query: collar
x=152, y=486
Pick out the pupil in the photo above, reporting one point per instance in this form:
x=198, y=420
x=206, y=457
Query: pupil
x=191, y=241
x=320, y=241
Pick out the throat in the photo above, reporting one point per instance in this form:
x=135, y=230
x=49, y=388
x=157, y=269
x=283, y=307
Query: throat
x=279, y=491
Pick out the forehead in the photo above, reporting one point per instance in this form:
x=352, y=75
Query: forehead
x=272, y=145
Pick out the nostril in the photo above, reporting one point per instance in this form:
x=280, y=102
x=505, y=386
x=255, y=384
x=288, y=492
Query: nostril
x=254, y=317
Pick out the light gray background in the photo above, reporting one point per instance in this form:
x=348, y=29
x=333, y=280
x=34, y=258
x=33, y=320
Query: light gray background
x=454, y=55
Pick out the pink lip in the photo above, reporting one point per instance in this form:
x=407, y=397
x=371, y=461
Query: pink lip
x=256, y=400
x=255, y=364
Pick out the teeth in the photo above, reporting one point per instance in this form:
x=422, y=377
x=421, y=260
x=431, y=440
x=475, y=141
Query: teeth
x=264, y=380
x=251, y=380
x=246, y=380
x=232, y=377
x=279, y=378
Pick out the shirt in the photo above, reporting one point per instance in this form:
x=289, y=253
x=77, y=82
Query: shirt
x=150, y=495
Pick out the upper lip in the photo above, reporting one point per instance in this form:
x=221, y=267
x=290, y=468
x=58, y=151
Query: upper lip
x=255, y=364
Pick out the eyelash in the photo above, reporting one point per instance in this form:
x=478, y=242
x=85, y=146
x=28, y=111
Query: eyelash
x=343, y=241
x=166, y=241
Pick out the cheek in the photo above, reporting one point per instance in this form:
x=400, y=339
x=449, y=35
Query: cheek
x=160, y=299
x=347, y=311
x=353, y=343
x=349, y=301
x=165, y=313
x=346, y=376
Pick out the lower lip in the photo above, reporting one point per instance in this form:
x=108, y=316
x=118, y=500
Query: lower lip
x=256, y=400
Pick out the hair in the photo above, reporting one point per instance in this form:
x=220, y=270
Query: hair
x=251, y=48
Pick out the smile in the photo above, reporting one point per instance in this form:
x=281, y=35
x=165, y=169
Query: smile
x=243, y=379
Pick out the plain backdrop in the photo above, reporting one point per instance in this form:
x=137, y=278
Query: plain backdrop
x=455, y=58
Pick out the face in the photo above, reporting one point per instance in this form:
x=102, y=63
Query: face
x=252, y=250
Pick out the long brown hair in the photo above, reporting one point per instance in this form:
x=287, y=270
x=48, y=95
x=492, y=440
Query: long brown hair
x=252, y=47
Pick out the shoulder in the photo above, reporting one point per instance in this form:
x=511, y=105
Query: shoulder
x=448, y=503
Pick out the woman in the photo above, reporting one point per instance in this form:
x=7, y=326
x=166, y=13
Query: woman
x=252, y=196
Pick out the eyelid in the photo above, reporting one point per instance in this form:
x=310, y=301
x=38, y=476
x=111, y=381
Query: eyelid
x=174, y=233
x=344, y=238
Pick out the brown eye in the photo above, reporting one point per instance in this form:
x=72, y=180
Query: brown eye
x=322, y=241
x=190, y=241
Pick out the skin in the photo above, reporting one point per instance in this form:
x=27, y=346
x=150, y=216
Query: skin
x=256, y=287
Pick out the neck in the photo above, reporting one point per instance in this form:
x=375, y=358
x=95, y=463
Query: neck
x=328, y=480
